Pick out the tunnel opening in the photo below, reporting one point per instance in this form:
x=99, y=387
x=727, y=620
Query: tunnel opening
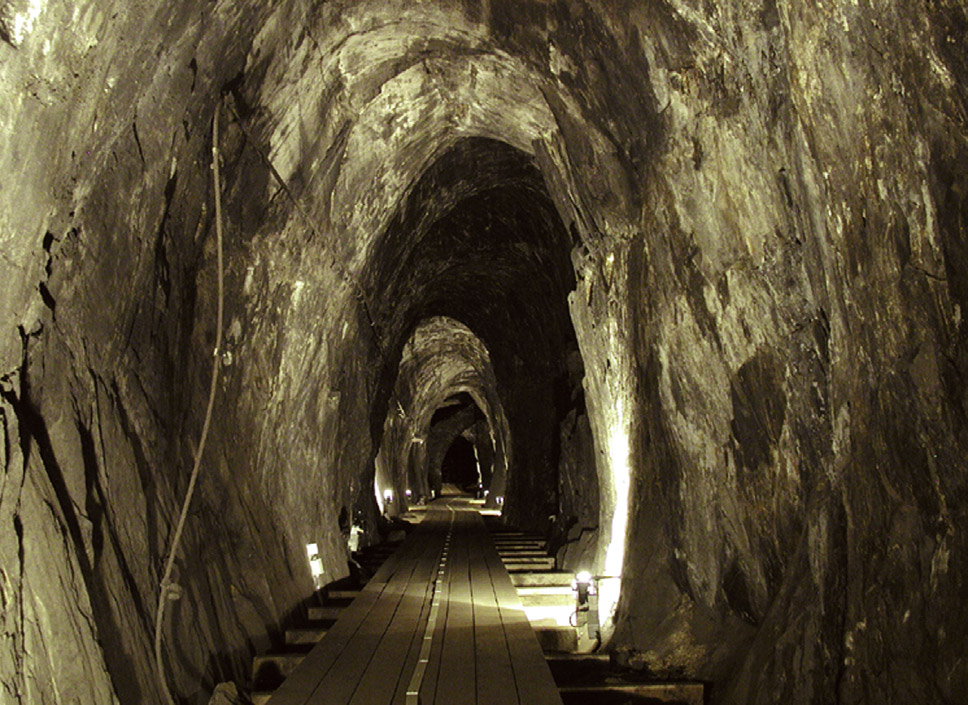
x=478, y=240
x=451, y=427
x=459, y=466
x=445, y=389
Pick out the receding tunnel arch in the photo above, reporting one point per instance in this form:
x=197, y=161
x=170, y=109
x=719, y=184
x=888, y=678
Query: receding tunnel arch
x=455, y=419
x=445, y=384
x=459, y=466
x=478, y=239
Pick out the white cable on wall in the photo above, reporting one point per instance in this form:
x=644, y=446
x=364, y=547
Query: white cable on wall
x=169, y=590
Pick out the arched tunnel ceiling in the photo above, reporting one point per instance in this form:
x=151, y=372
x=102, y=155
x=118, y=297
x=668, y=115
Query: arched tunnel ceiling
x=478, y=240
x=442, y=361
x=455, y=404
x=385, y=100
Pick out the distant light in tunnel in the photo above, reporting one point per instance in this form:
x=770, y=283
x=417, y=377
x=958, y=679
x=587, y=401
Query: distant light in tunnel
x=384, y=500
x=353, y=542
x=384, y=496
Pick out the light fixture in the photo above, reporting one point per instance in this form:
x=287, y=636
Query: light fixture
x=315, y=562
x=354, y=540
x=586, y=603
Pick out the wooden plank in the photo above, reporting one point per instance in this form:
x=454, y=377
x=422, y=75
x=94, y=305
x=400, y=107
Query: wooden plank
x=414, y=672
x=457, y=667
x=428, y=689
x=381, y=679
x=482, y=652
x=532, y=676
x=302, y=683
x=299, y=687
x=527, y=566
x=343, y=594
x=305, y=635
x=495, y=674
x=347, y=672
x=521, y=544
x=317, y=613
x=437, y=522
x=541, y=579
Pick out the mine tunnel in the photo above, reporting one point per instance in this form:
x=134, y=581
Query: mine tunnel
x=678, y=287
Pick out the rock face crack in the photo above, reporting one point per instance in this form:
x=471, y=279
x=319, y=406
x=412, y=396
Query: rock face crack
x=20, y=640
x=137, y=141
x=38, y=451
x=35, y=434
x=5, y=448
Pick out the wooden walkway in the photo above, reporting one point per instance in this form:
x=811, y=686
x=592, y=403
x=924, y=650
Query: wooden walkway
x=439, y=624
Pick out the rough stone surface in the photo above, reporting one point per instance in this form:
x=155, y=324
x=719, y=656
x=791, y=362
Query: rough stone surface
x=748, y=220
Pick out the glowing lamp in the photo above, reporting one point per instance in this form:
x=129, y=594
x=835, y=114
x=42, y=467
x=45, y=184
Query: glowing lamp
x=315, y=562
x=586, y=602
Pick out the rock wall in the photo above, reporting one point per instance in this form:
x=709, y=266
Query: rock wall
x=106, y=208
x=760, y=211
x=807, y=464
